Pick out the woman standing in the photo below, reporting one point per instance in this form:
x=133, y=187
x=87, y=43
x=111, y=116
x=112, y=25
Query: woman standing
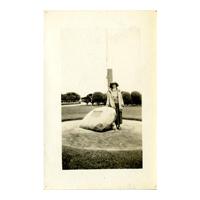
x=115, y=100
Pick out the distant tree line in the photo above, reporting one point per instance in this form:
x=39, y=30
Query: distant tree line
x=99, y=98
x=70, y=97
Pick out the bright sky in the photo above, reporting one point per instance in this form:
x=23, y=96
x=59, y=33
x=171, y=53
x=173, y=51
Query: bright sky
x=83, y=58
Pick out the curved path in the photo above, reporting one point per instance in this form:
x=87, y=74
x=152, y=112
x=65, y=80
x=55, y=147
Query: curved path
x=127, y=139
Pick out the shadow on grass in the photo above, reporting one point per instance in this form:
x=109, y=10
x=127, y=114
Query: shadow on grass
x=73, y=158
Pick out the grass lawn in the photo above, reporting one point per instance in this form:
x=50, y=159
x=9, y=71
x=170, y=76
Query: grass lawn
x=97, y=159
x=79, y=111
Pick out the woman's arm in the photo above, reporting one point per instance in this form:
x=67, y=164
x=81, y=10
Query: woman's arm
x=121, y=98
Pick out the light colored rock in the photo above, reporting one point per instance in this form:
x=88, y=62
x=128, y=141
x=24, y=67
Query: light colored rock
x=99, y=119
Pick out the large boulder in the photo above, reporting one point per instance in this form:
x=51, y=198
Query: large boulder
x=99, y=119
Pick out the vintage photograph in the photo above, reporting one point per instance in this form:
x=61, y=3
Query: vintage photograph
x=100, y=97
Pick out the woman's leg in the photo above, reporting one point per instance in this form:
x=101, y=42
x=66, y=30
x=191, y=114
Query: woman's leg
x=120, y=117
x=117, y=121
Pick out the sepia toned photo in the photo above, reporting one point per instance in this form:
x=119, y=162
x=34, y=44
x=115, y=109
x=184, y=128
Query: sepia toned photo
x=100, y=99
x=101, y=108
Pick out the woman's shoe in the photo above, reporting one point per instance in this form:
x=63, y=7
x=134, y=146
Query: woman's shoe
x=113, y=127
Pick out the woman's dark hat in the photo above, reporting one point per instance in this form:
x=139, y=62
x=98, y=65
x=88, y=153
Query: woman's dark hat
x=114, y=83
